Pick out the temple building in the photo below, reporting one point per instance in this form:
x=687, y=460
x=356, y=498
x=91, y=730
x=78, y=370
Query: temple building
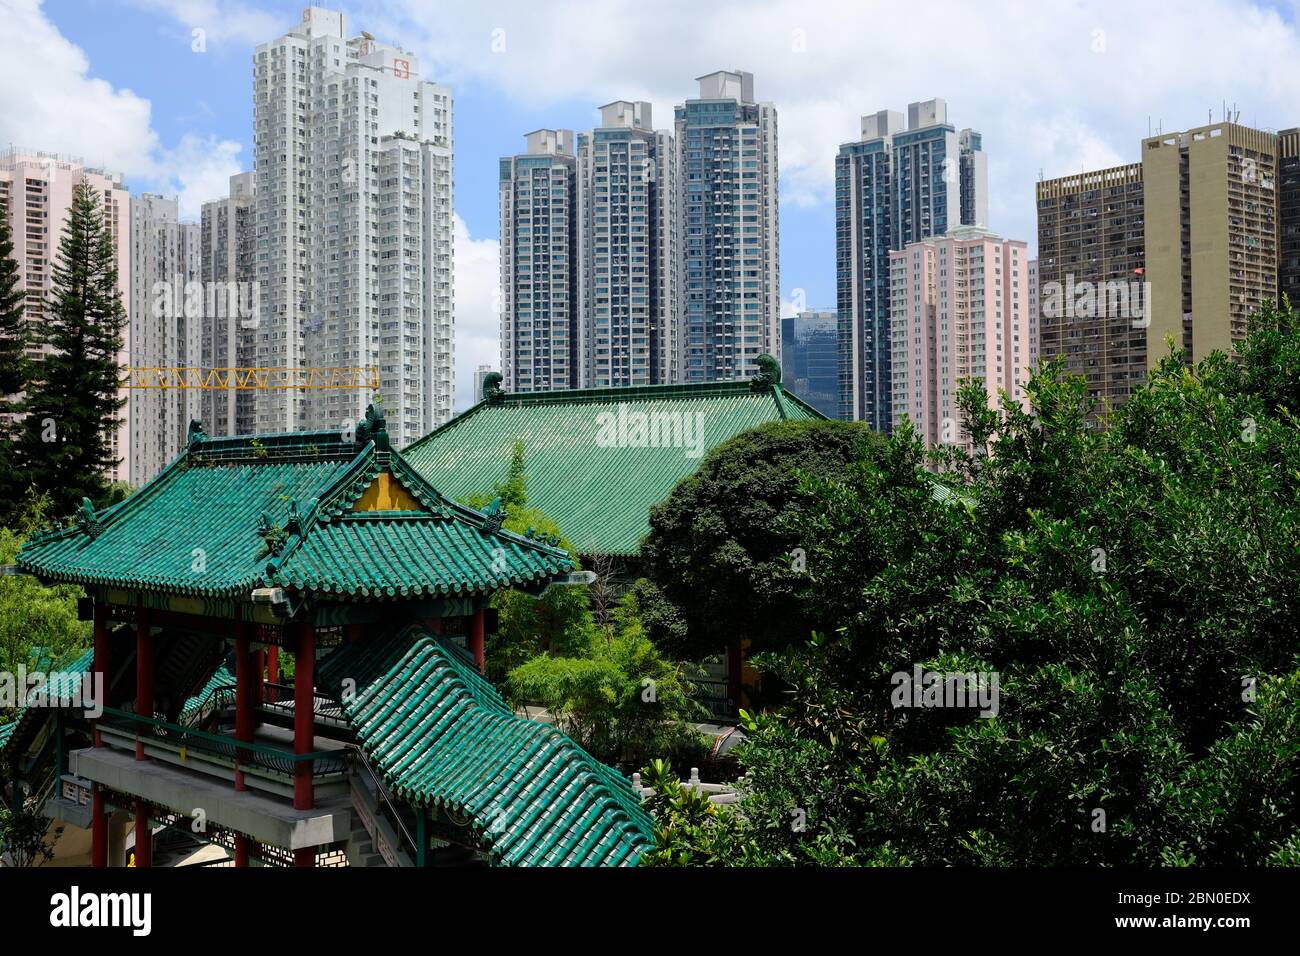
x=288, y=634
x=598, y=459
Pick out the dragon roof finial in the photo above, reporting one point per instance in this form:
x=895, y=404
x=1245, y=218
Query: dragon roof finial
x=768, y=374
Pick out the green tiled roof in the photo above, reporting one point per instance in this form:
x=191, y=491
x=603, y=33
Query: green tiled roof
x=600, y=494
x=6, y=731
x=223, y=676
x=442, y=737
x=201, y=528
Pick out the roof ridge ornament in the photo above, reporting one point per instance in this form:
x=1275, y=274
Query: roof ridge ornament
x=373, y=428
x=495, y=516
x=87, y=521
x=768, y=374
x=196, y=433
x=492, y=390
x=272, y=535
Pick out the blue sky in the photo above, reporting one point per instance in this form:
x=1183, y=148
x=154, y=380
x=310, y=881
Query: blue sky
x=1054, y=88
x=211, y=94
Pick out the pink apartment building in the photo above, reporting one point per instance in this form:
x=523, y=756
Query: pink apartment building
x=961, y=306
x=36, y=189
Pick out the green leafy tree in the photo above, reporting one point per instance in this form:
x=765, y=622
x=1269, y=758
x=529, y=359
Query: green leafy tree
x=690, y=830
x=723, y=552
x=560, y=620
x=73, y=400
x=1135, y=592
x=36, y=622
x=24, y=836
x=617, y=696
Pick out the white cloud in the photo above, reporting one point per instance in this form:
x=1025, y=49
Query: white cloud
x=50, y=101
x=1051, y=89
x=236, y=24
x=478, y=338
x=196, y=170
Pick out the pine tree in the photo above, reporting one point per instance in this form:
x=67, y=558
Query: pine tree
x=72, y=401
x=13, y=364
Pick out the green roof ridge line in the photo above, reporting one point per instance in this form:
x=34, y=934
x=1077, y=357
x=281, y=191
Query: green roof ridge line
x=441, y=736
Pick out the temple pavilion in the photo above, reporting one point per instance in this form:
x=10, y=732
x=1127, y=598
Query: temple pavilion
x=599, y=459
x=289, y=632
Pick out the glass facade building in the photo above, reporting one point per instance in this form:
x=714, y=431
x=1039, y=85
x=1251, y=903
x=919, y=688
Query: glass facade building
x=810, y=359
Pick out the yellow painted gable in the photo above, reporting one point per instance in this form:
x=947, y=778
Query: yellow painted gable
x=386, y=494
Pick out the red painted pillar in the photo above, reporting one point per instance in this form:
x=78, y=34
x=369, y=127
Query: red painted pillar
x=304, y=675
x=143, y=836
x=143, y=675
x=98, y=828
x=476, y=638
x=241, y=849
x=272, y=672
x=259, y=684
x=103, y=664
x=306, y=857
x=243, y=692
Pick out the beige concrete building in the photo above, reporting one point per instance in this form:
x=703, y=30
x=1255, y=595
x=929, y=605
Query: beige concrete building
x=1211, y=234
x=1091, y=252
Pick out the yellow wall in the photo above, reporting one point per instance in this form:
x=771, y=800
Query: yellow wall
x=1164, y=246
x=385, y=494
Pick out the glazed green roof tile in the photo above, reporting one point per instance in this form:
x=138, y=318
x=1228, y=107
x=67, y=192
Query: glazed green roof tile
x=222, y=677
x=442, y=737
x=233, y=514
x=7, y=731
x=598, y=491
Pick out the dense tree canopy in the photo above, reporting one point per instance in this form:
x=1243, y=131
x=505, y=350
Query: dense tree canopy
x=73, y=399
x=721, y=547
x=1132, y=590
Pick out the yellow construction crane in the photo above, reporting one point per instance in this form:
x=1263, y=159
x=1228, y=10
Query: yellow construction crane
x=180, y=376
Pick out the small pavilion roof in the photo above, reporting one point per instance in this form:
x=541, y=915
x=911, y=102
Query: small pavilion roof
x=316, y=512
x=442, y=737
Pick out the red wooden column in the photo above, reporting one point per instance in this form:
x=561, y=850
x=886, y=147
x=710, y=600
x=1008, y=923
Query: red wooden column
x=305, y=857
x=259, y=684
x=143, y=836
x=476, y=638
x=102, y=667
x=243, y=692
x=241, y=849
x=143, y=674
x=98, y=828
x=272, y=672
x=304, y=677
